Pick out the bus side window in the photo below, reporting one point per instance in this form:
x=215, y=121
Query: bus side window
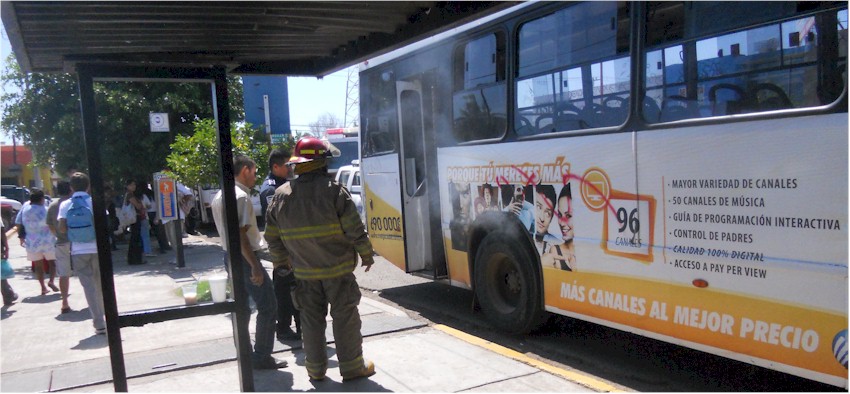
x=573, y=69
x=479, y=103
x=768, y=67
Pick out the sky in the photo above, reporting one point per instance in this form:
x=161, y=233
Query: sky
x=309, y=97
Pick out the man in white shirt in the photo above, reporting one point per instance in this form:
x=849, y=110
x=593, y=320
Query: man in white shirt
x=257, y=280
x=84, y=255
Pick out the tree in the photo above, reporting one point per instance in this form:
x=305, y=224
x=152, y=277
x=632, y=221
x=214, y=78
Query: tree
x=194, y=158
x=325, y=121
x=43, y=112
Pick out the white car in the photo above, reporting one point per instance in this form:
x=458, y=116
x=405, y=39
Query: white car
x=205, y=196
x=349, y=176
x=9, y=208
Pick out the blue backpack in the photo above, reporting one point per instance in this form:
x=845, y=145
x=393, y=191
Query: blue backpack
x=80, y=221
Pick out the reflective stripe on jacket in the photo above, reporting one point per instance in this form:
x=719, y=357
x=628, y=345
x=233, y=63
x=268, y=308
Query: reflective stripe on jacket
x=313, y=225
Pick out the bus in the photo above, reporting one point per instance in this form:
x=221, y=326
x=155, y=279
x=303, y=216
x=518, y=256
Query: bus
x=672, y=169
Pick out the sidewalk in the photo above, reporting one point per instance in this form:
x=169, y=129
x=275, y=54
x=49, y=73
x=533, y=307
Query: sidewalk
x=43, y=350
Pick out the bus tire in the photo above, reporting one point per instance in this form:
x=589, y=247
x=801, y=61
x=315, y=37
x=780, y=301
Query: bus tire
x=507, y=285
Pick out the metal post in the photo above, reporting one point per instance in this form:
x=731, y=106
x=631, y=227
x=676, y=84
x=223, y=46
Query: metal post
x=104, y=254
x=178, y=249
x=231, y=233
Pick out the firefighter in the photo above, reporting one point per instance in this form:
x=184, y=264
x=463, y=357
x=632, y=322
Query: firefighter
x=313, y=226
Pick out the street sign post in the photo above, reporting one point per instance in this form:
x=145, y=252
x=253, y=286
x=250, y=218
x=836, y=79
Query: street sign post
x=168, y=210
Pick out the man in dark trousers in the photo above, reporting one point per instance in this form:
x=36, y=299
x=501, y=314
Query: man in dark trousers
x=283, y=278
x=257, y=280
x=313, y=226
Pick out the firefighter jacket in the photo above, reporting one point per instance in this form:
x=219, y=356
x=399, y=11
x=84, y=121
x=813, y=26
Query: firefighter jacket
x=313, y=226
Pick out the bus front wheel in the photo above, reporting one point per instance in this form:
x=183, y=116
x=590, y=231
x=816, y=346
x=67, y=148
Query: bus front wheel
x=506, y=285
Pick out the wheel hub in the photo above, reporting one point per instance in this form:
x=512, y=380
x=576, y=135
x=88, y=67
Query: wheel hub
x=512, y=282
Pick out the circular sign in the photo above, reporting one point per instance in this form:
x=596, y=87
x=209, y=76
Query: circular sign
x=595, y=189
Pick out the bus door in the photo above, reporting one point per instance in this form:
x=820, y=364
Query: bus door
x=416, y=209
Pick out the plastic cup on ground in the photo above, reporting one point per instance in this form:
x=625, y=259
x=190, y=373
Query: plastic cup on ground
x=190, y=293
x=218, y=288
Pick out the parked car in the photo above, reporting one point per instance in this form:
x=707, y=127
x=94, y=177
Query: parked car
x=9, y=209
x=349, y=176
x=205, y=196
x=17, y=193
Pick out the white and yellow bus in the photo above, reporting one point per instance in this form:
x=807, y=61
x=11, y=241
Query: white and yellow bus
x=677, y=170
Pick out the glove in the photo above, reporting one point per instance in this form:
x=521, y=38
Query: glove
x=367, y=262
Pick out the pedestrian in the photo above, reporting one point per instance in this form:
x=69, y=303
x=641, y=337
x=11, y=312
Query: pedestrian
x=149, y=201
x=84, y=253
x=145, y=229
x=9, y=295
x=63, y=245
x=37, y=238
x=283, y=278
x=112, y=216
x=257, y=280
x=313, y=226
x=135, y=249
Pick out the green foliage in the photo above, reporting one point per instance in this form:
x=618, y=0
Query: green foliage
x=194, y=159
x=43, y=112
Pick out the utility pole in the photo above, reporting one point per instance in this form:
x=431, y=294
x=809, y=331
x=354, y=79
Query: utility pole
x=352, y=99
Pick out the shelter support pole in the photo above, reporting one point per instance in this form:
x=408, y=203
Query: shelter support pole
x=92, y=139
x=231, y=235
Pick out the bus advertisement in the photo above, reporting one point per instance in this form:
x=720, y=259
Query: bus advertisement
x=655, y=167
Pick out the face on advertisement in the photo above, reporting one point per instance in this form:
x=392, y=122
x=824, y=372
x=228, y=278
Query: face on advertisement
x=465, y=199
x=488, y=197
x=518, y=193
x=565, y=217
x=479, y=206
x=544, y=206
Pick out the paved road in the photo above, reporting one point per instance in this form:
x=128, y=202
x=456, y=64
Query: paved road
x=43, y=350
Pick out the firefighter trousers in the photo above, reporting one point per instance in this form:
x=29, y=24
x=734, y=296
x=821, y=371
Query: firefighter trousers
x=312, y=297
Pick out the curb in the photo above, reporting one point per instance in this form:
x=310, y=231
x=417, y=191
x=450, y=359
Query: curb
x=579, y=378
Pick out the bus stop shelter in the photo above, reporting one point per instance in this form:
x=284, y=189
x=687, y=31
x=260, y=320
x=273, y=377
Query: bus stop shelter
x=204, y=42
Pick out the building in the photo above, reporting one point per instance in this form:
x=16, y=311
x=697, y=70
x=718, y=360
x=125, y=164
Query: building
x=16, y=169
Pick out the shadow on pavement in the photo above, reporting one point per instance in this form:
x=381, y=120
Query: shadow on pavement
x=74, y=316
x=93, y=342
x=42, y=299
x=6, y=313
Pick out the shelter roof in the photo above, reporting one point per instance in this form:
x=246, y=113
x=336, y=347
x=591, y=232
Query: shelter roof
x=256, y=37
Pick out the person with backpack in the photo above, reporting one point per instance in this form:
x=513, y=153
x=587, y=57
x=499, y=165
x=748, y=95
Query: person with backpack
x=36, y=237
x=77, y=222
